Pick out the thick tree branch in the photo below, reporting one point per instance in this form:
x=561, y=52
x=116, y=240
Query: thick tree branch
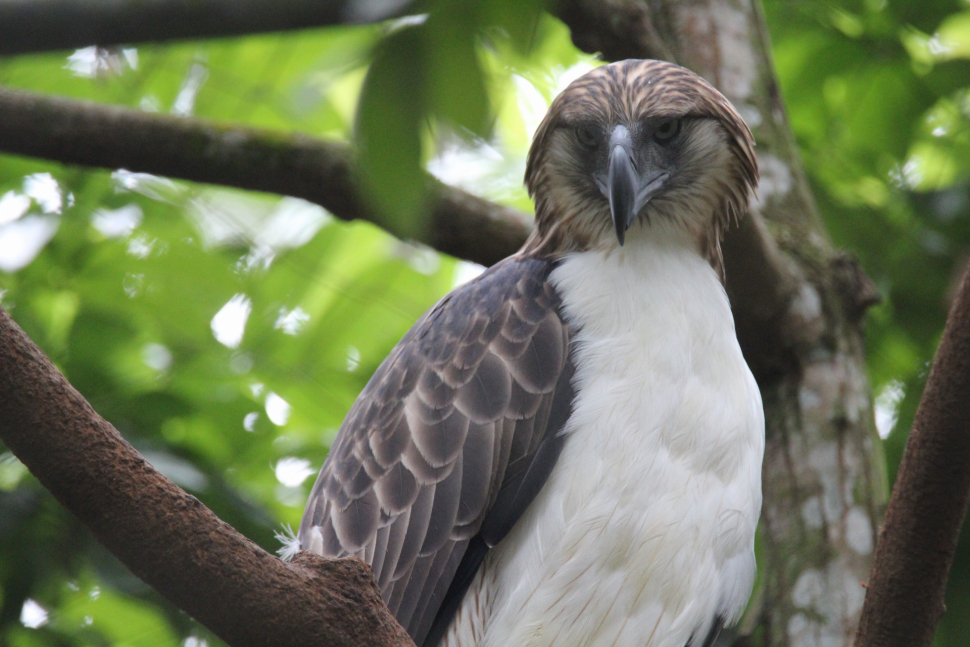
x=44, y=25
x=90, y=134
x=904, y=601
x=167, y=537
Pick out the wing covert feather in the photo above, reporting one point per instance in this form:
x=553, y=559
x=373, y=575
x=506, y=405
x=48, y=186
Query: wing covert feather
x=448, y=443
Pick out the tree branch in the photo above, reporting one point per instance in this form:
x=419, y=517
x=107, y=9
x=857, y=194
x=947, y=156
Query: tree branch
x=44, y=25
x=242, y=593
x=919, y=536
x=91, y=134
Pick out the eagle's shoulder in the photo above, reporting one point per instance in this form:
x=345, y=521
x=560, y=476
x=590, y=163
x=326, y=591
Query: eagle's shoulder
x=450, y=422
x=494, y=316
x=517, y=288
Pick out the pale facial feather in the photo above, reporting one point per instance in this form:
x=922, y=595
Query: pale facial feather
x=691, y=198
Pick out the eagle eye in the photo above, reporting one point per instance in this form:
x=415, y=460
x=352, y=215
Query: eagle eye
x=587, y=138
x=667, y=131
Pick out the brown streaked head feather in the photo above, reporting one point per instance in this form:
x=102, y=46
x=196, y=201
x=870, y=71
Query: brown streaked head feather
x=717, y=170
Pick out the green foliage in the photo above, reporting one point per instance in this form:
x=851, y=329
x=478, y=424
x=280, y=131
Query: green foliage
x=227, y=333
x=391, y=109
x=124, y=295
x=427, y=70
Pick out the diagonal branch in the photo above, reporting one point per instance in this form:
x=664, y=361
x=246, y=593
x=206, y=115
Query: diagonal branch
x=167, y=537
x=919, y=536
x=44, y=25
x=91, y=134
x=616, y=29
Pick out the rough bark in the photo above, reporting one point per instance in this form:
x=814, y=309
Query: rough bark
x=44, y=25
x=90, y=134
x=167, y=537
x=904, y=601
x=798, y=305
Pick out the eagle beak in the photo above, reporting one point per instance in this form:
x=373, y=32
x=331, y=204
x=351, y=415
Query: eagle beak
x=627, y=189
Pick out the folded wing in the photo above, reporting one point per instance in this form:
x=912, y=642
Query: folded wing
x=448, y=443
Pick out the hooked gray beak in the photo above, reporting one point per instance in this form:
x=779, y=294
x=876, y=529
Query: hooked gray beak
x=627, y=188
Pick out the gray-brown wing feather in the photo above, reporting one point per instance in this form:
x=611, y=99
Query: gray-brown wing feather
x=427, y=448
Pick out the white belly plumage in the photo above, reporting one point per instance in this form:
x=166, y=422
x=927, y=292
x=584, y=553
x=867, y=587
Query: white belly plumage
x=644, y=532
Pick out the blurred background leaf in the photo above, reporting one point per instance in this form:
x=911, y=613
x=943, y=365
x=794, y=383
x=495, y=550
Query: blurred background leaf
x=391, y=112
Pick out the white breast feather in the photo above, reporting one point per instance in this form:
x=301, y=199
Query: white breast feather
x=645, y=529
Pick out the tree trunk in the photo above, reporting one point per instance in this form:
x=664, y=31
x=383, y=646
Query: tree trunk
x=799, y=318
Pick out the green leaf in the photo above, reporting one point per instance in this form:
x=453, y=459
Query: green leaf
x=126, y=621
x=457, y=84
x=388, y=130
x=516, y=19
x=952, y=38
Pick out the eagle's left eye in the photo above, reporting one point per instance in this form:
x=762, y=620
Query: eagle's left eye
x=665, y=132
x=587, y=138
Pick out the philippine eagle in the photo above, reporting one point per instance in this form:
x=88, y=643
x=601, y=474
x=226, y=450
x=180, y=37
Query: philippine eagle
x=567, y=450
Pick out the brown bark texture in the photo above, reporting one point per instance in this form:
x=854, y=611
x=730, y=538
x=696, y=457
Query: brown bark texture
x=798, y=305
x=167, y=537
x=44, y=25
x=919, y=536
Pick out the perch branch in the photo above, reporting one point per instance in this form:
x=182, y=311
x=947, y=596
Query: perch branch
x=167, y=537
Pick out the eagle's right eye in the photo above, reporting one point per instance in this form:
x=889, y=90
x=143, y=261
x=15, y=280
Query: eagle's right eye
x=587, y=138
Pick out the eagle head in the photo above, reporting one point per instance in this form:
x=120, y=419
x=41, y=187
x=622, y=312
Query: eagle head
x=639, y=144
